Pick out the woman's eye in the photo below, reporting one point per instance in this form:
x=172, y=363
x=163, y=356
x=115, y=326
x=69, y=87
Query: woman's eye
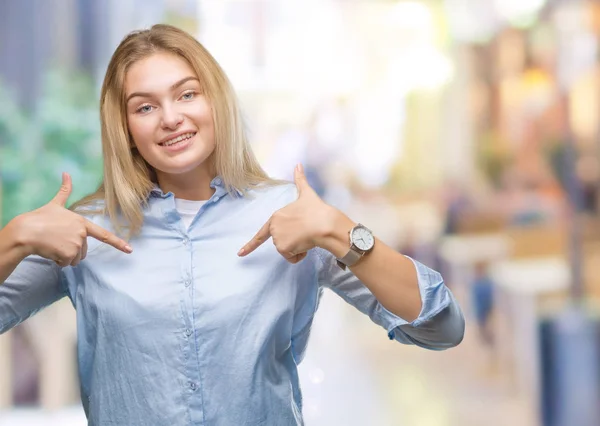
x=144, y=109
x=187, y=96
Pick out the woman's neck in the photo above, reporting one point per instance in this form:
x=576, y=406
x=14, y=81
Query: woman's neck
x=193, y=185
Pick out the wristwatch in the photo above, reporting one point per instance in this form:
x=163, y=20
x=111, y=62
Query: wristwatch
x=362, y=242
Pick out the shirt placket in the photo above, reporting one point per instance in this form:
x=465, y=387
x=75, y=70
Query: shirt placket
x=193, y=384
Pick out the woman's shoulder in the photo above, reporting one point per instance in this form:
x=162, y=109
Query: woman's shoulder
x=93, y=211
x=278, y=193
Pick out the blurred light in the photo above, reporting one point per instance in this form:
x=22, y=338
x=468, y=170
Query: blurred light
x=330, y=127
x=532, y=275
x=316, y=376
x=519, y=12
x=410, y=14
x=415, y=60
x=311, y=408
x=421, y=67
x=471, y=20
x=379, y=124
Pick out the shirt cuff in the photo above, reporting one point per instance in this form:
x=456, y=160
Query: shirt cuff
x=434, y=299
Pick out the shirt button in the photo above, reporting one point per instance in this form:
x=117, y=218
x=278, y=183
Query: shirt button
x=216, y=199
x=187, y=282
x=193, y=386
x=188, y=332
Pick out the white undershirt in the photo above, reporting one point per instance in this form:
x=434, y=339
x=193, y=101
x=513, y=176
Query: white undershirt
x=187, y=210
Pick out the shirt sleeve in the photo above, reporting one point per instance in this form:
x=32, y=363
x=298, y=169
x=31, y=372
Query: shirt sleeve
x=33, y=285
x=440, y=324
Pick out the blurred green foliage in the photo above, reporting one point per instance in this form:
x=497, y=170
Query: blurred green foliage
x=61, y=134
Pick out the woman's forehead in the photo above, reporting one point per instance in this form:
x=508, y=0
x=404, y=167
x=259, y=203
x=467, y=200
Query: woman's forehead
x=158, y=71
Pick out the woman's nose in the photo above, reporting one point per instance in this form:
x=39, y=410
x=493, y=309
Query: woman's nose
x=171, y=118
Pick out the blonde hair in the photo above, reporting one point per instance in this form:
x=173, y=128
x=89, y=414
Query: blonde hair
x=128, y=178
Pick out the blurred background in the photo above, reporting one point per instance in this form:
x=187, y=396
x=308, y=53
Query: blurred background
x=465, y=133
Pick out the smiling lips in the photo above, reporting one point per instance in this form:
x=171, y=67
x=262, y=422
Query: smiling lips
x=178, y=139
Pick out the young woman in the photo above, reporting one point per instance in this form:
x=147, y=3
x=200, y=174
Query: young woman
x=196, y=319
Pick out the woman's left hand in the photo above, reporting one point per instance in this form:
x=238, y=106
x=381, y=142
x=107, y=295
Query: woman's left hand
x=297, y=227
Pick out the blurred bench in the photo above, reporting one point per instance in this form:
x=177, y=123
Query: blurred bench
x=531, y=273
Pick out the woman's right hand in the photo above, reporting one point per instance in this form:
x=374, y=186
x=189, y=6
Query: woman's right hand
x=58, y=234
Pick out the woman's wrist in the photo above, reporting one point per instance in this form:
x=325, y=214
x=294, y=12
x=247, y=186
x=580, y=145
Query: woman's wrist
x=335, y=237
x=18, y=235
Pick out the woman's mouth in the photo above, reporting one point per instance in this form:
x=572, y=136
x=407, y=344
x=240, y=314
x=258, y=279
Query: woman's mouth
x=180, y=141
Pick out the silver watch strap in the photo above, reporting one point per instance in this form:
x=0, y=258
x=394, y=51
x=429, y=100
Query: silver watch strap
x=349, y=259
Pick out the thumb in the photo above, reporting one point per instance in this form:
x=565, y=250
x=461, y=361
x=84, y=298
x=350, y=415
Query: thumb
x=65, y=190
x=300, y=180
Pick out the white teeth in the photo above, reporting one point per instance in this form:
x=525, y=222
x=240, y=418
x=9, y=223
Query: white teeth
x=178, y=139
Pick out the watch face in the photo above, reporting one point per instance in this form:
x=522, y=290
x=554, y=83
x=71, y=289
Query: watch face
x=362, y=238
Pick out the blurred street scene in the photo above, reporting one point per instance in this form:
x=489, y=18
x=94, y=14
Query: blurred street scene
x=464, y=133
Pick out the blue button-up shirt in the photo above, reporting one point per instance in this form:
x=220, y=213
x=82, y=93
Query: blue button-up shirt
x=184, y=332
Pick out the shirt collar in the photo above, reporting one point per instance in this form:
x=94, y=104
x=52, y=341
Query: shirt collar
x=217, y=184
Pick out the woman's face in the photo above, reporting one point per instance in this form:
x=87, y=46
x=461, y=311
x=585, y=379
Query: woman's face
x=169, y=118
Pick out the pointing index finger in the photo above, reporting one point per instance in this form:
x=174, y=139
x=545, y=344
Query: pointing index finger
x=261, y=236
x=106, y=237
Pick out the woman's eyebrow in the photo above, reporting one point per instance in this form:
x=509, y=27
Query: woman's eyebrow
x=173, y=87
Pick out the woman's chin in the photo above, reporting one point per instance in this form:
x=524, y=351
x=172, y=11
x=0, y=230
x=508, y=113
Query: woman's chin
x=182, y=168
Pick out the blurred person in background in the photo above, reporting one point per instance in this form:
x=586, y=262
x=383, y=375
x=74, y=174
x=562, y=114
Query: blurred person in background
x=482, y=300
x=529, y=199
x=176, y=324
x=456, y=204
